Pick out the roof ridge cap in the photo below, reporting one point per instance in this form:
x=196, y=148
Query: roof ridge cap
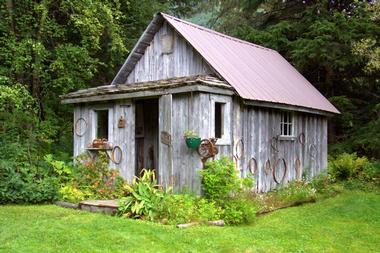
x=215, y=32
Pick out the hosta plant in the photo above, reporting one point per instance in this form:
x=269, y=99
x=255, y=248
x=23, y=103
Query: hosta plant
x=144, y=196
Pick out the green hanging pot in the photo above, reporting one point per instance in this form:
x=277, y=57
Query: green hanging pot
x=193, y=142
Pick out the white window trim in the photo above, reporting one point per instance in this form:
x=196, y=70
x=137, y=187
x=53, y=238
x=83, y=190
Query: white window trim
x=226, y=138
x=293, y=129
x=94, y=122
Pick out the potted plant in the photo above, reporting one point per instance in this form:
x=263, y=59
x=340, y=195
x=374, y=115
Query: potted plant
x=192, y=139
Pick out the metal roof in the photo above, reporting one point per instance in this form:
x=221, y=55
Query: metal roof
x=255, y=72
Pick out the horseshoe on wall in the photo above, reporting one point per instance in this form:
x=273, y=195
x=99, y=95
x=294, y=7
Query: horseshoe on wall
x=313, y=151
x=302, y=138
x=274, y=170
x=113, y=155
x=252, y=166
x=241, y=154
x=77, y=126
x=274, y=144
x=267, y=167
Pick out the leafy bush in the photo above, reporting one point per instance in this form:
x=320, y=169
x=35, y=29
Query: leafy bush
x=220, y=179
x=239, y=210
x=26, y=183
x=349, y=166
x=222, y=185
x=87, y=178
x=143, y=198
x=184, y=208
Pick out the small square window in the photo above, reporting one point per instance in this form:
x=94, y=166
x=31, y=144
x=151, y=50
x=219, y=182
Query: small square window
x=102, y=124
x=287, y=124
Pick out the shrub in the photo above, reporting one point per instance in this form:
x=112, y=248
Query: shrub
x=238, y=210
x=143, y=197
x=349, y=166
x=87, y=178
x=26, y=183
x=219, y=179
x=185, y=208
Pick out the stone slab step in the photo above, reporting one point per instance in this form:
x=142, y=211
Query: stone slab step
x=100, y=206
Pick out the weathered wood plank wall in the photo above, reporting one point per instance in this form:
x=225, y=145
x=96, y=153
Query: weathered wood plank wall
x=156, y=65
x=253, y=131
x=122, y=137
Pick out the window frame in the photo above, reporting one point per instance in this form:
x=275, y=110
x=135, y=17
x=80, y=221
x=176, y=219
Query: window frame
x=94, y=121
x=226, y=118
x=289, y=124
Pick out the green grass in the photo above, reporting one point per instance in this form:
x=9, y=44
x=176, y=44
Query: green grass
x=349, y=222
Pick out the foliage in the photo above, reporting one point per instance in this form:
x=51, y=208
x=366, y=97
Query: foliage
x=190, y=134
x=143, y=197
x=220, y=179
x=294, y=193
x=86, y=178
x=239, y=210
x=348, y=166
x=185, y=208
x=20, y=183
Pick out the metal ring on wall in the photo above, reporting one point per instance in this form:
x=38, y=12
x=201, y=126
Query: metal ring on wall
x=274, y=144
x=113, y=155
x=302, y=138
x=298, y=169
x=274, y=170
x=76, y=127
x=313, y=151
x=252, y=162
x=237, y=155
x=267, y=167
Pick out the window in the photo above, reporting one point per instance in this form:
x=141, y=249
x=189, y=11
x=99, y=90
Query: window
x=219, y=126
x=287, y=124
x=102, y=124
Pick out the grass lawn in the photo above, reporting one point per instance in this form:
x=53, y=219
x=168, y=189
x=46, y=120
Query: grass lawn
x=349, y=222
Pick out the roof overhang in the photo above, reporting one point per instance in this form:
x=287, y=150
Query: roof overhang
x=149, y=89
x=287, y=107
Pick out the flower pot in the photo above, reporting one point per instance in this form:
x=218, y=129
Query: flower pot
x=193, y=142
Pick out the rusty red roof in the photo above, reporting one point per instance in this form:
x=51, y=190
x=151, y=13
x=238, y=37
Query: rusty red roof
x=255, y=72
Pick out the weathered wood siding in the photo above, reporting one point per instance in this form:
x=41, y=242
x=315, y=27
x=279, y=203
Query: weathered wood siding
x=122, y=137
x=258, y=128
x=156, y=65
x=251, y=131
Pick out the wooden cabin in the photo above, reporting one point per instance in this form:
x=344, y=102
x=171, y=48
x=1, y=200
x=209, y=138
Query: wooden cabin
x=180, y=76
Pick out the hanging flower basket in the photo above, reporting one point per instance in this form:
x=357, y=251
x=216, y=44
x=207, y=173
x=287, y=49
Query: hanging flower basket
x=193, y=142
x=192, y=139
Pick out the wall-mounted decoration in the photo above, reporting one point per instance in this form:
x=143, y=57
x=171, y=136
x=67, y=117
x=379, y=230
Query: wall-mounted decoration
x=252, y=166
x=80, y=127
x=313, y=151
x=274, y=144
x=192, y=139
x=267, y=167
x=298, y=169
x=239, y=149
x=207, y=149
x=279, y=179
x=302, y=138
x=166, y=138
x=121, y=122
x=116, y=155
